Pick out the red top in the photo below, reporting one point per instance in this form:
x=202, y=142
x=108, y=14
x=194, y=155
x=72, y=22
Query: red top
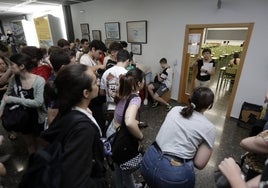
x=44, y=70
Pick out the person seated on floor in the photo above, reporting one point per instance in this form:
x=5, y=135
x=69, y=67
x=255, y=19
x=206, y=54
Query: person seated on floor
x=163, y=84
x=256, y=153
x=256, y=144
x=232, y=172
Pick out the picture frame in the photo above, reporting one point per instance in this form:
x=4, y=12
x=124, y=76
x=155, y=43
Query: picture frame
x=136, y=48
x=84, y=28
x=96, y=35
x=137, y=31
x=112, y=30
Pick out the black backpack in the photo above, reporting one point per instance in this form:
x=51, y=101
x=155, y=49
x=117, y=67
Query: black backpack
x=44, y=168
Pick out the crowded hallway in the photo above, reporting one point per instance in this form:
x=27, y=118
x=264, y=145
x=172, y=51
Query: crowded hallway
x=129, y=94
x=227, y=141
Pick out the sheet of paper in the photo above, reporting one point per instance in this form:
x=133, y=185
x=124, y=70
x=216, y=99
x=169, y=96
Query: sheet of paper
x=193, y=49
x=206, y=66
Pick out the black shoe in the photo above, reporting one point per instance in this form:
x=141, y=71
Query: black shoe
x=5, y=158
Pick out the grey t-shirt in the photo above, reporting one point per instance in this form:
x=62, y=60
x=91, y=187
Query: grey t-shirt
x=181, y=136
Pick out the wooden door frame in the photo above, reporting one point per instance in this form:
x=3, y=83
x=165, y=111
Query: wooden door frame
x=184, y=66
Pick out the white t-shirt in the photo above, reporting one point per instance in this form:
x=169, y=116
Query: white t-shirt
x=181, y=136
x=167, y=76
x=110, y=81
x=87, y=60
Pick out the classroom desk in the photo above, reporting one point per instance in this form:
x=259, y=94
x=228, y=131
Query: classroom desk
x=221, y=73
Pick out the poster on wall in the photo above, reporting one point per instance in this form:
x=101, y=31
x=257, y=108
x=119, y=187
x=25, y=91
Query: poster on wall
x=18, y=32
x=193, y=49
x=194, y=38
x=43, y=32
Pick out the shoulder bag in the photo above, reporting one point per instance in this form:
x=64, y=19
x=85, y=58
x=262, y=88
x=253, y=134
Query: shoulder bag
x=15, y=116
x=125, y=147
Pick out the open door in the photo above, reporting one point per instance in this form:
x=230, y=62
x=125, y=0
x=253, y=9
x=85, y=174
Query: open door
x=193, y=40
x=192, y=46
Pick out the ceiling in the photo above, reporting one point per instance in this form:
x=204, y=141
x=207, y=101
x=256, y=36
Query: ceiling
x=12, y=8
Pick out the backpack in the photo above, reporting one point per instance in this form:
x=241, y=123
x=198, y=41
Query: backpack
x=44, y=168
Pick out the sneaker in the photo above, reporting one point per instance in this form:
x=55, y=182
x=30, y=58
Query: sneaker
x=155, y=104
x=145, y=102
x=168, y=107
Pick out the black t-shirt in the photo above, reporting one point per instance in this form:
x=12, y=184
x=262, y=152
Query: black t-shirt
x=206, y=77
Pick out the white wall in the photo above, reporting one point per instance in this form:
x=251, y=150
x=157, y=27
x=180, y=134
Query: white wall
x=166, y=28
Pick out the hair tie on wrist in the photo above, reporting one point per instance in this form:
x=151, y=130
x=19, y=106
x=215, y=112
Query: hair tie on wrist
x=193, y=105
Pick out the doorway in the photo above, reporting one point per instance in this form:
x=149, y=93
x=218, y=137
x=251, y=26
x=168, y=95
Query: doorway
x=193, y=41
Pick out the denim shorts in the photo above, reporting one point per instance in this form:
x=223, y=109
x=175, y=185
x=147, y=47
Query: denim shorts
x=158, y=172
x=160, y=88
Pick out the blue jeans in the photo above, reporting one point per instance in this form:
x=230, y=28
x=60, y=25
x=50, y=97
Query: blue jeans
x=158, y=172
x=123, y=180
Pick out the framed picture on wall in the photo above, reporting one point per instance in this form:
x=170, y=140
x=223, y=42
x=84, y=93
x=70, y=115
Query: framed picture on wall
x=112, y=30
x=137, y=32
x=84, y=28
x=136, y=49
x=96, y=34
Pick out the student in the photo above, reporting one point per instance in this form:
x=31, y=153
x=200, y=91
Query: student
x=32, y=89
x=110, y=60
x=5, y=54
x=184, y=141
x=63, y=43
x=110, y=78
x=232, y=172
x=83, y=158
x=58, y=59
x=235, y=61
x=96, y=48
x=131, y=83
x=83, y=48
x=41, y=67
x=3, y=69
x=206, y=68
x=163, y=84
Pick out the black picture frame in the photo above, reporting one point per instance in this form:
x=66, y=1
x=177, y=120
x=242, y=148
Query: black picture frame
x=96, y=35
x=137, y=31
x=84, y=28
x=136, y=48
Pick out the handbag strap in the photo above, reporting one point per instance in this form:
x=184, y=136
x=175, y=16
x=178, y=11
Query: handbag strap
x=19, y=86
x=125, y=108
x=123, y=120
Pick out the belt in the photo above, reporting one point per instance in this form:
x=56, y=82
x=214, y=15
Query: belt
x=175, y=158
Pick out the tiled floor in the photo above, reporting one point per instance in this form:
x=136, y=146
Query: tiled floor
x=227, y=141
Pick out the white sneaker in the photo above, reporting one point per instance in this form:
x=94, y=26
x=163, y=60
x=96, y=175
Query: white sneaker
x=145, y=101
